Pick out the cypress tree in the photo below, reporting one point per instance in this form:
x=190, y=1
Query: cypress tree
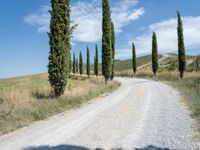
x=59, y=40
x=113, y=50
x=94, y=65
x=106, y=41
x=154, y=54
x=74, y=63
x=81, y=63
x=70, y=65
x=198, y=64
x=77, y=65
x=181, y=47
x=96, y=62
x=88, y=61
x=134, y=63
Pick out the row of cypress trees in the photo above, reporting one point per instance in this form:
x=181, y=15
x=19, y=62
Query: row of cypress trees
x=78, y=65
x=60, y=63
x=181, y=51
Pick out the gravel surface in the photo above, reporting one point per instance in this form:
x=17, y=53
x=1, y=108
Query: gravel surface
x=140, y=115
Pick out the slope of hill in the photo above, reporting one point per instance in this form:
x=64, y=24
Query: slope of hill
x=167, y=62
x=122, y=65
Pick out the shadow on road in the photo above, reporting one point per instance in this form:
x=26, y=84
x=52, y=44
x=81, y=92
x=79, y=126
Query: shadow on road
x=72, y=147
x=59, y=147
x=151, y=147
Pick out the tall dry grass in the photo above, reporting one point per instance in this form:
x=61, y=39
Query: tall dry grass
x=27, y=99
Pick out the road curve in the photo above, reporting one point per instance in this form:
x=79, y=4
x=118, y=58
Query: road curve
x=141, y=115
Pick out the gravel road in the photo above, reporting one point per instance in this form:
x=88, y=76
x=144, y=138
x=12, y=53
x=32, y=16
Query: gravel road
x=140, y=115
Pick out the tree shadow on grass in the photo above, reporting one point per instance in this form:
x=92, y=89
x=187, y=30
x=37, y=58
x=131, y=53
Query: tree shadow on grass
x=43, y=96
x=73, y=147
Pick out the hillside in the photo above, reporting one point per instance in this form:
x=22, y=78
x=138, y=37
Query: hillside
x=122, y=65
x=167, y=62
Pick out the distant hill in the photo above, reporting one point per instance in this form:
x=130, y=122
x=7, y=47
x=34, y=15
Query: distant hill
x=167, y=62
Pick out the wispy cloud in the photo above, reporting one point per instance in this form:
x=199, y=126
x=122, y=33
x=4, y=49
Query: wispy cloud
x=87, y=14
x=167, y=36
x=40, y=19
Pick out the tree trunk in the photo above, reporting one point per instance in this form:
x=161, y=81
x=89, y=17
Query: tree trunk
x=181, y=75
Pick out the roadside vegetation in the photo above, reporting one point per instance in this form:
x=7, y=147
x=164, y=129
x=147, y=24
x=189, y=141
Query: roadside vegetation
x=28, y=99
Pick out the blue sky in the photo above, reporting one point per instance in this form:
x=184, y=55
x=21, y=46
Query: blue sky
x=24, y=45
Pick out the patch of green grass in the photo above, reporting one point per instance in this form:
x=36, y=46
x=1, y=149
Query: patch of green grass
x=28, y=99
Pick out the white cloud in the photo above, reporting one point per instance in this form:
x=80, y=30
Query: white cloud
x=167, y=36
x=41, y=21
x=87, y=14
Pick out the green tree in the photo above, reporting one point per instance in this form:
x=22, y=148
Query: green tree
x=154, y=54
x=181, y=47
x=74, y=63
x=96, y=62
x=113, y=50
x=77, y=65
x=59, y=41
x=70, y=65
x=106, y=41
x=94, y=65
x=88, y=61
x=81, y=63
x=134, y=61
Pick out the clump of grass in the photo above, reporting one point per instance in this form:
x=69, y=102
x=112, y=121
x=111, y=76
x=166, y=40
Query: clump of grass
x=24, y=100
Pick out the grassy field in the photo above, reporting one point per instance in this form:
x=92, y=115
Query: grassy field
x=28, y=99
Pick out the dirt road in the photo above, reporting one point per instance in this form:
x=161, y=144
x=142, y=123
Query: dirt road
x=141, y=115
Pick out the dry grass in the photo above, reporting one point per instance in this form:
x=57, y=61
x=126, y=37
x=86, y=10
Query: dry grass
x=27, y=99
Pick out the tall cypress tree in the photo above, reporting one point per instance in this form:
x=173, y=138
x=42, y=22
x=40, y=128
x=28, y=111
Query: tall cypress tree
x=88, y=61
x=181, y=47
x=106, y=41
x=198, y=64
x=154, y=54
x=96, y=62
x=81, y=63
x=113, y=50
x=94, y=65
x=70, y=65
x=74, y=63
x=134, y=62
x=59, y=40
x=77, y=65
